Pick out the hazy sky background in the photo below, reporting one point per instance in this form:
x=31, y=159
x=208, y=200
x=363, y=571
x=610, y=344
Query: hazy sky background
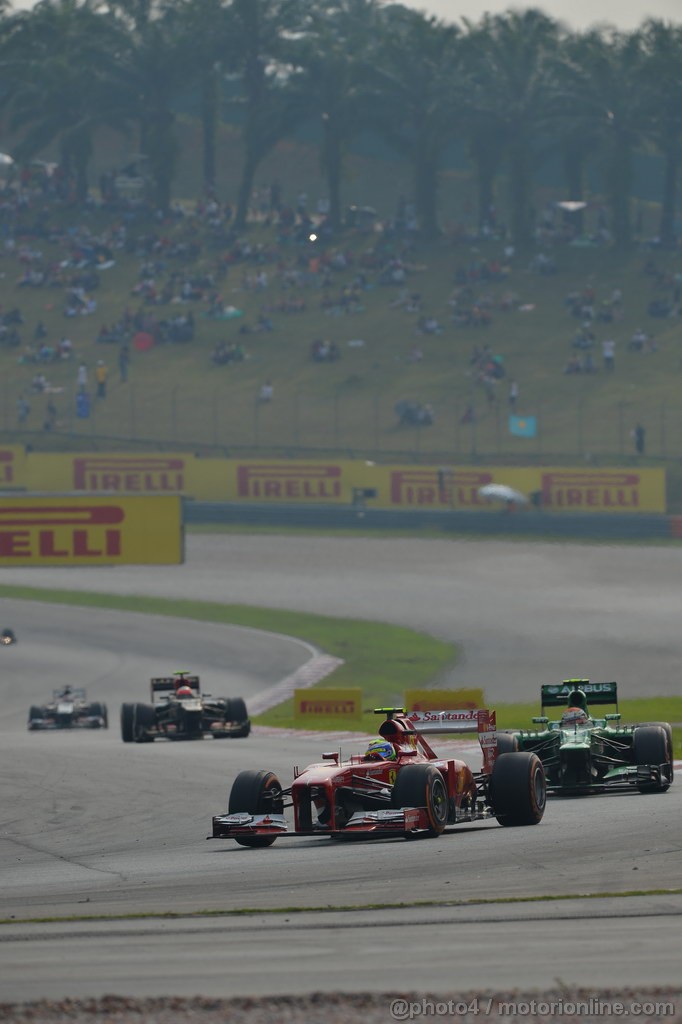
x=577, y=14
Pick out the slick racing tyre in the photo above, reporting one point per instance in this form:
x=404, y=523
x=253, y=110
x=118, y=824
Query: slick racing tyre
x=423, y=786
x=518, y=789
x=668, y=730
x=35, y=718
x=97, y=710
x=507, y=743
x=235, y=711
x=144, y=718
x=127, y=722
x=256, y=792
x=650, y=746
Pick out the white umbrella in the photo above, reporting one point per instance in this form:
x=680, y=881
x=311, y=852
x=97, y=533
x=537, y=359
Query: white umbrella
x=5, y=160
x=500, y=492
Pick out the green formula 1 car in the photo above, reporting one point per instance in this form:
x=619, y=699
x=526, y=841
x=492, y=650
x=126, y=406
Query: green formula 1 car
x=583, y=754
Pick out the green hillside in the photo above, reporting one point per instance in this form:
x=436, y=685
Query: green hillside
x=175, y=396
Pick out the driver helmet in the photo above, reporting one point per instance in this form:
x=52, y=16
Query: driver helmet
x=184, y=691
x=577, y=699
x=380, y=750
x=574, y=716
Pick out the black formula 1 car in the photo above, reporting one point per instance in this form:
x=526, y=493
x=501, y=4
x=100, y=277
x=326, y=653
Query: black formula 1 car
x=410, y=791
x=68, y=709
x=180, y=711
x=7, y=637
x=582, y=754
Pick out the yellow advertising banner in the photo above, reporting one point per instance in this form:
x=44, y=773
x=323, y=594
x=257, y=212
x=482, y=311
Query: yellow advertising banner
x=338, y=481
x=342, y=702
x=12, y=466
x=443, y=700
x=75, y=530
x=124, y=472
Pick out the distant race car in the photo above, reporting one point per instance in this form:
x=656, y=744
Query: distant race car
x=582, y=754
x=411, y=792
x=180, y=711
x=68, y=709
x=8, y=636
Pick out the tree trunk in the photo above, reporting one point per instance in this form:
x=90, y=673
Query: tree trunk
x=518, y=197
x=245, y=190
x=620, y=187
x=332, y=161
x=574, y=165
x=666, y=228
x=426, y=193
x=209, y=121
x=163, y=152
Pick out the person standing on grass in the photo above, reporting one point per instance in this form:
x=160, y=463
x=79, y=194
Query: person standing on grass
x=513, y=394
x=101, y=374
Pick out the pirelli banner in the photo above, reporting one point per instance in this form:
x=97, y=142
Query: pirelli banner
x=84, y=530
x=342, y=702
x=337, y=482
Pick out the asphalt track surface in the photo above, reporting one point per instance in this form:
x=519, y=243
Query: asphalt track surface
x=94, y=827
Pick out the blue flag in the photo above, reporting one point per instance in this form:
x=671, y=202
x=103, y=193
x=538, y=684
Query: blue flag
x=523, y=426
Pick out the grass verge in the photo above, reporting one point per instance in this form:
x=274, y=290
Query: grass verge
x=341, y=908
x=381, y=659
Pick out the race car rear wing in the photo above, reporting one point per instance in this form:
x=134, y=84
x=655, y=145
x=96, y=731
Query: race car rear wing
x=555, y=696
x=166, y=684
x=479, y=720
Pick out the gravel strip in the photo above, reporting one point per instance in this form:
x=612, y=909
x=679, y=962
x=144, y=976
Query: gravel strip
x=565, y=1005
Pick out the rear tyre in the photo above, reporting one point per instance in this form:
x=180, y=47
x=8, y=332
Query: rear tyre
x=650, y=746
x=518, y=789
x=35, y=715
x=144, y=718
x=97, y=710
x=127, y=723
x=256, y=792
x=507, y=743
x=236, y=710
x=422, y=786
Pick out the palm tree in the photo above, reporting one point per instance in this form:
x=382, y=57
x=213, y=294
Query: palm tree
x=155, y=69
x=260, y=41
x=419, y=105
x=62, y=64
x=603, y=84
x=330, y=56
x=510, y=56
x=662, y=94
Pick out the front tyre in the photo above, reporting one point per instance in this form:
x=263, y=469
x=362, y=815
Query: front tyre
x=256, y=792
x=127, y=722
x=422, y=786
x=518, y=789
x=650, y=746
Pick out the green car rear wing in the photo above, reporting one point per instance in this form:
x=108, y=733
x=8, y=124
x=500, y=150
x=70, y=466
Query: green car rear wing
x=555, y=696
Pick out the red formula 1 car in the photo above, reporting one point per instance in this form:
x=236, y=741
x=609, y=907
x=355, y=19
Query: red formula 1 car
x=413, y=792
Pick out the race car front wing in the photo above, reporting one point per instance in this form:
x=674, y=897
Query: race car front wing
x=399, y=822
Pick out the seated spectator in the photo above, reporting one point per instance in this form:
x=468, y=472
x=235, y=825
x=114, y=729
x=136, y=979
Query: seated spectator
x=573, y=365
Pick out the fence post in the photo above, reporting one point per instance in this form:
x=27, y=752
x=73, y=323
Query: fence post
x=581, y=440
x=214, y=415
x=336, y=417
x=663, y=425
x=173, y=412
x=296, y=411
x=375, y=419
x=256, y=417
x=621, y=427
x=498, y=427
x=133, y=426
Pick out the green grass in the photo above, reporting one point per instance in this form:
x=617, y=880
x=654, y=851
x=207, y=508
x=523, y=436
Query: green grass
x=344, y=907
x=174, y=396
x=383, y=660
